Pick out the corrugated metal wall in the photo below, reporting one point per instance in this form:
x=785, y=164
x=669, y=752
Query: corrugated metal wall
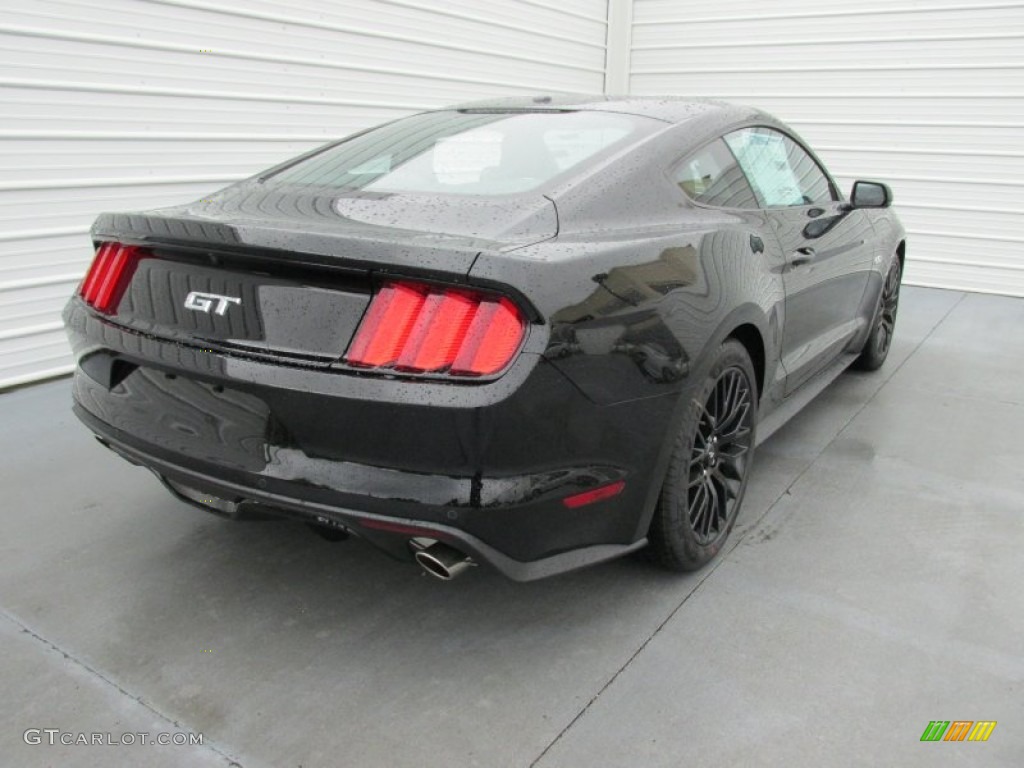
x=927, y=95
x=128, y=104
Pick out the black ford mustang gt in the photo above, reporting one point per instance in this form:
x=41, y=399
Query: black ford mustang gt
x=534, y=333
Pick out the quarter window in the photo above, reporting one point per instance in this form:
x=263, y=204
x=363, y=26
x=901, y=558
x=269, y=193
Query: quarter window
x=779, y=169
x=713, y=177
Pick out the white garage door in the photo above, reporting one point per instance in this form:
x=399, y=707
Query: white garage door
x=129, y=104
x=928, y=96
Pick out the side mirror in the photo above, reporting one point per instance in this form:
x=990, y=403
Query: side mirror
x=870, y=194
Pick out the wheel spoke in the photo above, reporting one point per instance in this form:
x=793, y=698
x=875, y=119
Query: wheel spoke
x=727, y=484
x=697, y=453
x=732, y=467
x=738, y=438
x=705, y=424
x=701, y=439
x=734, y=421
x=716, y=511
x=884, y=336
x=699, y=505
x=726, y=406
x=733, y=454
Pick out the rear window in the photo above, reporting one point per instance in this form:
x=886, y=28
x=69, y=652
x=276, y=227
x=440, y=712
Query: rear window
x=466, y=153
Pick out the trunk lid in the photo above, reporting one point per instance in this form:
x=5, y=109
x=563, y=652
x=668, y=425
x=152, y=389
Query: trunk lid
x=289, y=273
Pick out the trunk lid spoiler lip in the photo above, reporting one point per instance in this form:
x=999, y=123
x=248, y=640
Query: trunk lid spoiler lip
x=342, y=251
x=366, y=232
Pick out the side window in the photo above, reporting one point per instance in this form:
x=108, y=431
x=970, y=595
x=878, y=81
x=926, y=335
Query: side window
x=713, y=177
x=781, y=172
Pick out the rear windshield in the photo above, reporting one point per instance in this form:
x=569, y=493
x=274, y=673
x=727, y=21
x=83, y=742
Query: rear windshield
x=466, y=153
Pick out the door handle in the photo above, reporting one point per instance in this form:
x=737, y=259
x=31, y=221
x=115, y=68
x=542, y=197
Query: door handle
x=802, y=256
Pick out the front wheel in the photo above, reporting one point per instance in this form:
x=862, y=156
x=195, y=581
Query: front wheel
x=707, y=475
x=876, y=348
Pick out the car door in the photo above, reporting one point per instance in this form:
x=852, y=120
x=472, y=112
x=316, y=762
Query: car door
x=826, y=248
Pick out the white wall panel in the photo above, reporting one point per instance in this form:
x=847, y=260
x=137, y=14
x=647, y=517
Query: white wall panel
x=130, y=104
x=926, y=95
x=133, y=104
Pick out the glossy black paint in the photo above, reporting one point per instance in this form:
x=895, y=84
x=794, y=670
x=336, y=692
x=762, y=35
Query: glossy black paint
x=627, y=284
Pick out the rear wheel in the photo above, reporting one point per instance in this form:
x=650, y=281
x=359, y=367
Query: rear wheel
x=876, y=349
x=707, y=475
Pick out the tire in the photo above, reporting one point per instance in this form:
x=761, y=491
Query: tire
x=879, y=341
x=707, y=474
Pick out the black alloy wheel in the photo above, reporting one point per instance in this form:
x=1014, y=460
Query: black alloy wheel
x=718, y=458
x=876, y=348
x=708, y=473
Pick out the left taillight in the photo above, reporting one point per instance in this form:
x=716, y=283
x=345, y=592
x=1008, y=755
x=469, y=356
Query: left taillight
x=109, y=275
x=418, y=328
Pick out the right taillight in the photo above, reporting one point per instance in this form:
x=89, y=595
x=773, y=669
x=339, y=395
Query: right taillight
x=418, y=328
x=109, y=275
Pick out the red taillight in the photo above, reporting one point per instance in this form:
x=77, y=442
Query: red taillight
x=109, y=275
x=419, y=328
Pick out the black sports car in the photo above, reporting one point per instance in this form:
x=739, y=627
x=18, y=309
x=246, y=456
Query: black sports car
x=535, y=333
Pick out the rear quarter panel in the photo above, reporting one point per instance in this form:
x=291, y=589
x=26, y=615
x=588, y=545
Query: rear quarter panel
x=640, y=286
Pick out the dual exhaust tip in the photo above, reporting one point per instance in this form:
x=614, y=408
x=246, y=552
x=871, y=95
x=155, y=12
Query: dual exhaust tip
x=441, y=561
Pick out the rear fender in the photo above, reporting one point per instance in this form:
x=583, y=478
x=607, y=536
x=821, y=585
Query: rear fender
x=770, y=336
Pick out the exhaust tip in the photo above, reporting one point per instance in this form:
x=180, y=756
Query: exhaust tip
x=443, y=562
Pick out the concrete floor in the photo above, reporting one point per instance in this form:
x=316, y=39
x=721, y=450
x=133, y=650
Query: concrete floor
x=872, y=585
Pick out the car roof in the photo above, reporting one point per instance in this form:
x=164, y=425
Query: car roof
x=670, y=109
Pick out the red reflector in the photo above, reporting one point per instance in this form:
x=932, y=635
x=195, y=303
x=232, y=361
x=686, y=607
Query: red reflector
x=594, y=494
x=109, y=275
x=425, y=329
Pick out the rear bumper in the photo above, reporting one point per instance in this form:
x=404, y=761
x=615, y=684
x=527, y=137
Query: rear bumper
x=388, y=533
x=483, y=468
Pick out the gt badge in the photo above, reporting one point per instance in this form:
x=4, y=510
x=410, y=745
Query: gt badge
x=204, y=302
